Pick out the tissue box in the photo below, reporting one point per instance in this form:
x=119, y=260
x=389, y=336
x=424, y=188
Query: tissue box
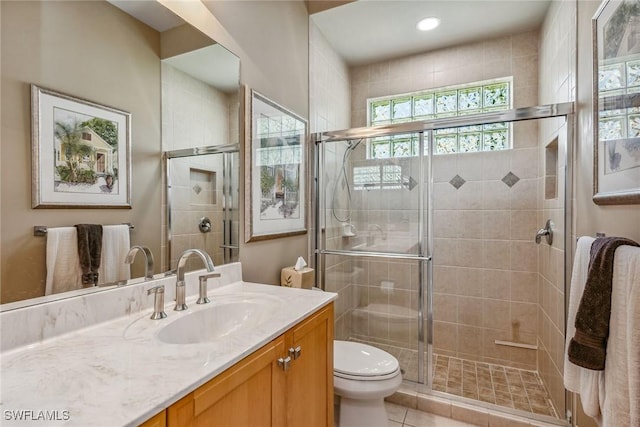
x=304, y=278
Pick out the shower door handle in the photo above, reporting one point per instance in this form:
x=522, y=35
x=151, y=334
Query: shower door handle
x=546, y=231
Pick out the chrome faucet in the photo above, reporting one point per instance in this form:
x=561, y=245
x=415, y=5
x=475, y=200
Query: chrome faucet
x=180, y=285
x=148, y=256
x=202, y=289
x=371, y=238
x=158, y=302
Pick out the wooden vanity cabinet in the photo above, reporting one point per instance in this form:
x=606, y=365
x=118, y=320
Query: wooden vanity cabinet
x=158, y=420
x=287, y=382
x=309, y=380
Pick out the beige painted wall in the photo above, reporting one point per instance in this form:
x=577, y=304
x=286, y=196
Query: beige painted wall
x=589, y=217
x=277, y=67
x=90, y=50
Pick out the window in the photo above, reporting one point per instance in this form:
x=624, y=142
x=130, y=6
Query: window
x=377, y=177
x=494, y=95
x=86, y=136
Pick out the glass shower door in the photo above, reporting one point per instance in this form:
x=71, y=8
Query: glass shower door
x=371, y=223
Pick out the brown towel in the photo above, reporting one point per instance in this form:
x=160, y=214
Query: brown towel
x=89, y=251
x=588, y=347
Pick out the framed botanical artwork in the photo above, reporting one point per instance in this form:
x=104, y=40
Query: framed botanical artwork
x=80, y=152
x=274, y=171
x=616, y=88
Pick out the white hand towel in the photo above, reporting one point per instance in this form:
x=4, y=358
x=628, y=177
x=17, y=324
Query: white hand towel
x=612, y=396
x=63, y=265
x=620, y=401
x=589, y=384
x=115, y=245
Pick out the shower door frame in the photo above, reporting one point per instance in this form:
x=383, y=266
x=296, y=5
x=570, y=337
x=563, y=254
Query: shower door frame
x=425, y=218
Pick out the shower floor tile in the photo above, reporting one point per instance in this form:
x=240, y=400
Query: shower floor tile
x=486, y=382
x=500, y=385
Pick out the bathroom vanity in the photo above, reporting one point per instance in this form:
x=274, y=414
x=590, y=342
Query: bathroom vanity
x=257, y=355
x=287, y=382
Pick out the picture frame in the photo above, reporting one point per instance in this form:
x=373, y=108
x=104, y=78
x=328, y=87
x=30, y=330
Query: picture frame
x=616, y=103
x=81, y=152
x=275, y=156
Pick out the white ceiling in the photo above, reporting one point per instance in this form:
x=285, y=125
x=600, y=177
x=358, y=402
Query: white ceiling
x=368, y=31
x=151, y=13
x=213, y=64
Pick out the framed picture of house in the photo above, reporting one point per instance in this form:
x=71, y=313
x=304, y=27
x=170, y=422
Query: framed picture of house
x=274, y=171
x=616, y=88
x=80, y=152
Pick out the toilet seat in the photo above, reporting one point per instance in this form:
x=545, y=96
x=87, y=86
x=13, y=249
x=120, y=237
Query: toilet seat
x=362, y=362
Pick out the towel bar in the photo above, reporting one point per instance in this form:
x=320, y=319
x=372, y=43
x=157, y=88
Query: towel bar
x=597, y=235
x=41, y=230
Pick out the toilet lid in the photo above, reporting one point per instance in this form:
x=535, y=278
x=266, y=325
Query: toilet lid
x=362, y=360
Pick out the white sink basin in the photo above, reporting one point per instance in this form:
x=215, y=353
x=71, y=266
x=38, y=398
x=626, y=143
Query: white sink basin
x=224, y=317
x=220, y=319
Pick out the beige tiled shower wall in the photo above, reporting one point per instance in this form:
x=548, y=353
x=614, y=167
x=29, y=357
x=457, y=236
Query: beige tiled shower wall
x=195, y=114
x=196, y=192
x=557, y=84
x=551, y=268
x=515, y=55
x=485, y=258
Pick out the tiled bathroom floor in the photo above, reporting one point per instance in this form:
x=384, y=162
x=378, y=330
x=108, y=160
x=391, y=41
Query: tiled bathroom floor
x=399, y=416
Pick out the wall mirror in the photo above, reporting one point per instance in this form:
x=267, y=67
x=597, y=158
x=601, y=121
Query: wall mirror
x=616, y=78
x=200, y=122
x=127, y=69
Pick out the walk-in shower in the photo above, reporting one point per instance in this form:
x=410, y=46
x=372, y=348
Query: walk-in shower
x=434, y=257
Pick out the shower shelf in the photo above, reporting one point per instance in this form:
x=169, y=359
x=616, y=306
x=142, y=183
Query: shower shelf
x=517, y=344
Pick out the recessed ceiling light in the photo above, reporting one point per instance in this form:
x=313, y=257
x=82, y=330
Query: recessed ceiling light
x=428, y=24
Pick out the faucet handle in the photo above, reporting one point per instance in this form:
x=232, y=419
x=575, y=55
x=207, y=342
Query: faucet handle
x=158, y=302
x=202, y=297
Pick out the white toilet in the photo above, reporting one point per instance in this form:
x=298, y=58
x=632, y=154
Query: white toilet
x=363, y=376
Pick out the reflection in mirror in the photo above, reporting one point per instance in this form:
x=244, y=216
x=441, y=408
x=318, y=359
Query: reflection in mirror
x=202, y=194
x=200, y=133
x=124, y=69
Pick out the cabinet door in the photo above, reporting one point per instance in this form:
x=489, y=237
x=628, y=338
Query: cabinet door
x=158, y=420
x=310, y=378
x=247, y=394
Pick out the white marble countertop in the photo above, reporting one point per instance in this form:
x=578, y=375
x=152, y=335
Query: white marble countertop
x=118, y=373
